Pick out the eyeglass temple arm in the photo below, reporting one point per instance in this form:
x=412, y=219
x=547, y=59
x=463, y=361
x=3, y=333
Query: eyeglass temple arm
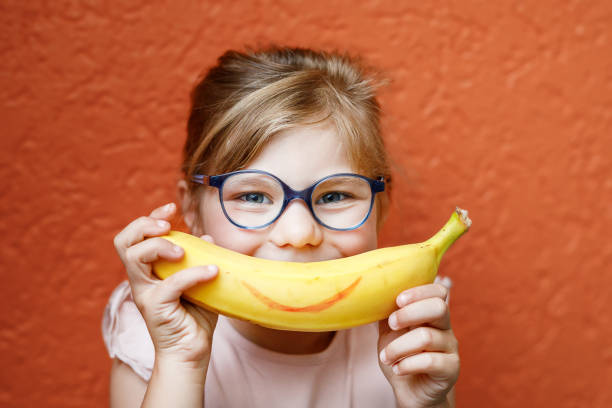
x=200, y=178
x=379, y=184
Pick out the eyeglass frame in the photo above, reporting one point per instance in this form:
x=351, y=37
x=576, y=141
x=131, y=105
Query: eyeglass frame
x=289, y=194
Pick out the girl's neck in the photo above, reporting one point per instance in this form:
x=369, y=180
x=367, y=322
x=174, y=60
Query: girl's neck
x=288, y=342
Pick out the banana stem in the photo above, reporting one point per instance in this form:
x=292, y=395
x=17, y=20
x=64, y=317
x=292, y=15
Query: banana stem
x=456, y=226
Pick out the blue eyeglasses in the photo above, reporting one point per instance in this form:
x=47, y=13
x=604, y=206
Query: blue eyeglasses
x=253, y=199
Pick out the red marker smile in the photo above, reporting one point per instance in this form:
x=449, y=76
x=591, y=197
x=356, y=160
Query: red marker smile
x=316, y=307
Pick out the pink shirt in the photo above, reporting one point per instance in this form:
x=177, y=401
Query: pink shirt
x=243, y=374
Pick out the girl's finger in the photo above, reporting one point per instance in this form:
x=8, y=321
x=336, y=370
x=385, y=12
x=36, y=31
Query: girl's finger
x=171, y=288
x=422, y=292
x=152, y=250
x=140, y=256
x=137, y=230
x=417, y=341
x=440, y=366
x=164, y=212
x=431, y=311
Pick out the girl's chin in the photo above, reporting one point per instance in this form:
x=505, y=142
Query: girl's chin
x=243, y=324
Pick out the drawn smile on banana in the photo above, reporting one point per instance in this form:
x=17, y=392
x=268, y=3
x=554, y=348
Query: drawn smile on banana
x=315, y=307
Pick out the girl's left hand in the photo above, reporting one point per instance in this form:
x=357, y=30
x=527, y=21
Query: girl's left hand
x=417, y=348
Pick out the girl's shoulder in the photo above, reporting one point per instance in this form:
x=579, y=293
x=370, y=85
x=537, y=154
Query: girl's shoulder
x=125, y=332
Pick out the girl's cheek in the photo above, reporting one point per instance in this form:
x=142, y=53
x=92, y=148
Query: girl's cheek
x=242, y=241
x=224, y=233
x=363, y=239
x=227, y=235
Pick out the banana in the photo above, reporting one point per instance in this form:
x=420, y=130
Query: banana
x=311, y=296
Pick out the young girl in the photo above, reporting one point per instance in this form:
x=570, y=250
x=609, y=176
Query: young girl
x=266, y=122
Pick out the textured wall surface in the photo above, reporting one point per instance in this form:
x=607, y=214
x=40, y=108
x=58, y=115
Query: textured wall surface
x=500, y=107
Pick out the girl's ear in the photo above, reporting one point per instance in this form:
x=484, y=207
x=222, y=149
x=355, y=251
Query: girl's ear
x=187, y=206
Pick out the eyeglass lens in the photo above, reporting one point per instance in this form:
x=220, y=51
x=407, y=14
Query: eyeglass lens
x=254, y=199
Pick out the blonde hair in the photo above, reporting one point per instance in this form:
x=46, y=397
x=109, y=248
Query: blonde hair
x=248, y=97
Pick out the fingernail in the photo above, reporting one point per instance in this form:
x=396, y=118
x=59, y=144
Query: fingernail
x=395, y=369
x=168, y=207
x=177, y=249
x=393, y=321
x=383, y=356
x=163, y=224
x=402, y=300
x=213, y=268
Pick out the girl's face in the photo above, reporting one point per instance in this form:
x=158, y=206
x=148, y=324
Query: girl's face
x=299, y=157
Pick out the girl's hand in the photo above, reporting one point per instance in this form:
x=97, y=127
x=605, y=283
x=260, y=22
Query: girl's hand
x=180, y=332
x=417, y=348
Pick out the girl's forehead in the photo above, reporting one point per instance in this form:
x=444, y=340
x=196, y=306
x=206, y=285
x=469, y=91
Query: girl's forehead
x=304, y=154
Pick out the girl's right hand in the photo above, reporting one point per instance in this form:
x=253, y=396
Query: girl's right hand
x=179, y=330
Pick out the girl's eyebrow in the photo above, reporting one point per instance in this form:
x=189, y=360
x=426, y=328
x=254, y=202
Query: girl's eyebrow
x=257, y=181
x=337, y=180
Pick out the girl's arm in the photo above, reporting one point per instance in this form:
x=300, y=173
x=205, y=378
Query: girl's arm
x=175, y=384
x=181, y=332
x=127, y=389
x=171, y=385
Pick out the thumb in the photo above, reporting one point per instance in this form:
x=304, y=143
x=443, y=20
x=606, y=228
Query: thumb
x=205, y=318
x=383, y=328
x=171, y=288
x=385, y=334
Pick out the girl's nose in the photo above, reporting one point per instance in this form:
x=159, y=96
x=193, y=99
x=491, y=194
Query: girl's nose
x=296, y=227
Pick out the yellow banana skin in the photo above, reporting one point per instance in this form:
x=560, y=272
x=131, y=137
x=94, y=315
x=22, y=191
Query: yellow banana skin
x=312, y=296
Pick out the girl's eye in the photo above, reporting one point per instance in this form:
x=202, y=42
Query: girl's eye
x=256, y=198
x=332, y=197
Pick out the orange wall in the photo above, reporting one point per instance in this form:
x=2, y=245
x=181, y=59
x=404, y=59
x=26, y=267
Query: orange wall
x=501, y=107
